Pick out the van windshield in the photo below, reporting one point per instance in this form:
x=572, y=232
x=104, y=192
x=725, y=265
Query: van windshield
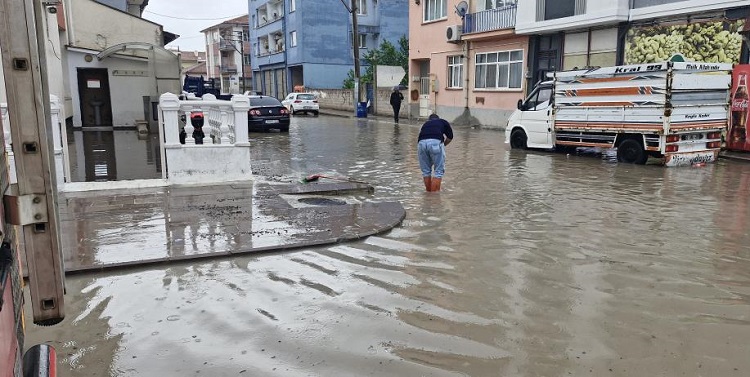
x=539, y=99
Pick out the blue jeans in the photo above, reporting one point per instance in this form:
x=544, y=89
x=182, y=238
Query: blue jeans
x=431, y=153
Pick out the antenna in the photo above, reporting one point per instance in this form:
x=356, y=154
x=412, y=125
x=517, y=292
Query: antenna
x=461, y=9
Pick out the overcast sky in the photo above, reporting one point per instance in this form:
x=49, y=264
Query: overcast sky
x=187, y=18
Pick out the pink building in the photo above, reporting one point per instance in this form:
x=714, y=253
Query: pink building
x=466, y=62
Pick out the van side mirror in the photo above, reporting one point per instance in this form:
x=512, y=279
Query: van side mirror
x=520, y=105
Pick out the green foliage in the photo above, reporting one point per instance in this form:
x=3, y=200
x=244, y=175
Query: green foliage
x=385, y=54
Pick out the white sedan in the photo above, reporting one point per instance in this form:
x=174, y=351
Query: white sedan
x=301, y=103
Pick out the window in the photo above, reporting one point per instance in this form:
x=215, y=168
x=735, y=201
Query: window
x=246, y=59
x=499, y=70
x=495, y=4
x=293, y=39
x=434, y=10
x=361, y=7
x=455, y=67
x=363, y=41
x=554, y=9
x=292, y=5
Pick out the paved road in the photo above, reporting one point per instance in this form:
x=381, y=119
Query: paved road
x=527, y=264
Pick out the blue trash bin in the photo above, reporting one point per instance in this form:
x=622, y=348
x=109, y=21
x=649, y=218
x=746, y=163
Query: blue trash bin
x=362, y=110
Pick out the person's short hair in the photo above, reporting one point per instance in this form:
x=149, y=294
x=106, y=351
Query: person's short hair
x=433, y=116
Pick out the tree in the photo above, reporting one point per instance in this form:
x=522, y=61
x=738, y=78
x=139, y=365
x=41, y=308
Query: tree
x=385, y=54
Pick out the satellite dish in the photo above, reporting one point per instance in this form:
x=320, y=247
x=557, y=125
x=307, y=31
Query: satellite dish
x=461, y=9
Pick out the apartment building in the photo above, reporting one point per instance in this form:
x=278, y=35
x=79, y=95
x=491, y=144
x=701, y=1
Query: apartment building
x=466, y=61
x=228, y=55
x=308, y=44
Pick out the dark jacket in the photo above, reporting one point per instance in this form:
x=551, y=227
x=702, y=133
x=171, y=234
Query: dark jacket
x=436, y=128
x=396, y=98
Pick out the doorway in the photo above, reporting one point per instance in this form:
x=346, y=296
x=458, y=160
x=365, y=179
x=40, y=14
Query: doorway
x=96, y=103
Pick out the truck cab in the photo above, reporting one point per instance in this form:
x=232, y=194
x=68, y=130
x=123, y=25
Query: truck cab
x=530, y=125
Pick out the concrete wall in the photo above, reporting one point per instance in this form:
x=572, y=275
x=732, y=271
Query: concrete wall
x=97, y=27
x=645, y=9
x=343, y=99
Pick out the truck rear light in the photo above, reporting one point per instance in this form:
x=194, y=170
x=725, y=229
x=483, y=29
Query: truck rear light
x=713, y=145
x=672, y=148
x=714, y=135
x=673, y=138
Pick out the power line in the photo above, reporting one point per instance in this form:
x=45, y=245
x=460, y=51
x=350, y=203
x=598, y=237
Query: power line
x=194, y=19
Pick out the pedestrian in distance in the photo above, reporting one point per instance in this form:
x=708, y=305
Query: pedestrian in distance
x=434, y=135
x=396, y=99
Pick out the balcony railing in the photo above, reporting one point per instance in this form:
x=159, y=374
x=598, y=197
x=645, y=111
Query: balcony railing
x=491, y=19
x=228, y=68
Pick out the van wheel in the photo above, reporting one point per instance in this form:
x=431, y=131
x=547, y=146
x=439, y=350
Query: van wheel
x=518, y=139
x=630, y=151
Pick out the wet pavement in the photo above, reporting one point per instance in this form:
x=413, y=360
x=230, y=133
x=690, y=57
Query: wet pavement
x=526, y=264
x=126, y=227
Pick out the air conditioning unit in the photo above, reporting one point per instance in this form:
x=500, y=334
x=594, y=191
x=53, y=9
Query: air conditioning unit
x=453, y=33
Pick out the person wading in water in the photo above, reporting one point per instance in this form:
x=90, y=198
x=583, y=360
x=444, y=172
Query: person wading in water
x=435, y=134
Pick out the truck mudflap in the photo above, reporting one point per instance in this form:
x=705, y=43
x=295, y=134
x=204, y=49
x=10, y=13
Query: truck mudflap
x=690, y=158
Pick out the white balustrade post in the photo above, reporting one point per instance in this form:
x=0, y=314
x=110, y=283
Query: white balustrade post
x=240, y=106
x=8, y=147
x=223, y=126
x=57, y=139
x=170, y=106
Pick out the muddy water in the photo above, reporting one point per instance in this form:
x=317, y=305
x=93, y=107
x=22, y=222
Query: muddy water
x=526, y=264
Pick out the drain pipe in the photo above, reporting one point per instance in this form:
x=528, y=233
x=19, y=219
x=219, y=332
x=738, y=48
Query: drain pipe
x=467, y=45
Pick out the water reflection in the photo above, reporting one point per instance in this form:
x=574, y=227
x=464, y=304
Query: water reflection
x=113, y=155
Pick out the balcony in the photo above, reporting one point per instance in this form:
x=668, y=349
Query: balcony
x=228, y=68
x=223, y=46
x=491, y=20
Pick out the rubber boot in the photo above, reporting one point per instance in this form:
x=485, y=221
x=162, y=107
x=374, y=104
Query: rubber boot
x=428, y=183
x=436, y=184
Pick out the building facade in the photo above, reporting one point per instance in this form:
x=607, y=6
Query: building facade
x=572, y=34
x=308, y=44
x=492, y=52
x=228, y=55
x=466, y=61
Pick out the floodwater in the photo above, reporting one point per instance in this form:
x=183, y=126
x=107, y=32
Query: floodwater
x=526, y=264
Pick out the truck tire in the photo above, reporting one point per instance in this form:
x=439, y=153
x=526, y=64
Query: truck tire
x=518, y=139
x=630, y=151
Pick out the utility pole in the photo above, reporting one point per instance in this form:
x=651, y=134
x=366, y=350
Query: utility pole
x=32, y=202
x=355, y=43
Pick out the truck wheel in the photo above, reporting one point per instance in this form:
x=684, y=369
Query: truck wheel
x=518, y=139
x=631, y=151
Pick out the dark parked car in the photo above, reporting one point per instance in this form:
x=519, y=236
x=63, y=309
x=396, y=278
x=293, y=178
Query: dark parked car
x=267, y=113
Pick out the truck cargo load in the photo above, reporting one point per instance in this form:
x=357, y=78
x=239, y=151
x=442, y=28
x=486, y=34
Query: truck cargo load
x=673, y=111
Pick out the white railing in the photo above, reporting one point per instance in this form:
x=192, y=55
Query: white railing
x=224, y=154
x=220, y=118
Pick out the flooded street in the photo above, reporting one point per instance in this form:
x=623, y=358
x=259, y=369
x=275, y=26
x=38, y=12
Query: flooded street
x=526, y=264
